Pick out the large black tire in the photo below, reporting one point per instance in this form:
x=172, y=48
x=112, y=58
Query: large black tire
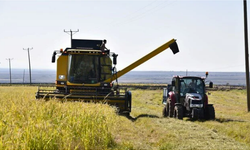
x=170, y=109
x=195, y=113
x=210, y=112
x=165, y=111
x=178, y=112
x=201, y=113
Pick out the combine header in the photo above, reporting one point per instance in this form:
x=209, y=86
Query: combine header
x=86, y=73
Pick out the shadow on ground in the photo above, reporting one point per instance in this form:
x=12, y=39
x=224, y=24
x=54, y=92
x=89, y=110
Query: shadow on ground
x=220, y=120
x=141, y=116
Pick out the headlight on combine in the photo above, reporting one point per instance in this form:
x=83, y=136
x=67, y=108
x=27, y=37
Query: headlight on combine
x=61, y=77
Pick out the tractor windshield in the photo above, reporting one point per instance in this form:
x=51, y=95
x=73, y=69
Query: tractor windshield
x=83, y=69
x=191, y=85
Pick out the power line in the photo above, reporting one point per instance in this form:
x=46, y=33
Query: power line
x=28, y=49
x=131, y=13
x=143, y=13
x=9, y=59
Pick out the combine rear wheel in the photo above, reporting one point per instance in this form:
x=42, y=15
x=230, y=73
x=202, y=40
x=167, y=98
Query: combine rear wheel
x=178, y=112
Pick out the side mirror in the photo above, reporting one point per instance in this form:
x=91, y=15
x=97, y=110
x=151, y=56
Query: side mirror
x=210, y=84
x=173, y=83
x=206, y=74
x=115, y=58
x=54, y=57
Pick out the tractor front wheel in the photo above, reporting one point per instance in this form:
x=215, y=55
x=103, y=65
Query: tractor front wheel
x=165, y=111
x=178, y=112
x=197, y=113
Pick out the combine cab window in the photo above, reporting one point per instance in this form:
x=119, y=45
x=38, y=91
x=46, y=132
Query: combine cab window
x=83, y=69
x=106, y=67
x=191, y=85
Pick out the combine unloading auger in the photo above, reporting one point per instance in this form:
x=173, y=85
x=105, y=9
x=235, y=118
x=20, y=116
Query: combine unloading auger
x=85, y=73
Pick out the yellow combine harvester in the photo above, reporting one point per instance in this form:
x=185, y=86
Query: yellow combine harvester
x=85, y=73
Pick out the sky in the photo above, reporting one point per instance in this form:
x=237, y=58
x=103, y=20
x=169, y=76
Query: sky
x=209, y=33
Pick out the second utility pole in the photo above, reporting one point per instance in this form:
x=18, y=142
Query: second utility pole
x=28, y=49
x=9, y=59
x=71, y=33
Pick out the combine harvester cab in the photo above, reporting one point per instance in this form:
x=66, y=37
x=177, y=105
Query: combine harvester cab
x=85, y=73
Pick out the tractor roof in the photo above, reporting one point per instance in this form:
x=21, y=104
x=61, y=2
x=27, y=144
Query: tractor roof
x=190, y=77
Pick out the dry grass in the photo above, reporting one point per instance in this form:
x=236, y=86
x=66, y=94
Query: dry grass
x=150, y=131
x=232, y=118
x=26, y=123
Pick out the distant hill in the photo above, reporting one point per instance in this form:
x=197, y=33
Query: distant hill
x=49, y=76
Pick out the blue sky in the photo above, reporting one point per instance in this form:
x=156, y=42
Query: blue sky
x=210, y=34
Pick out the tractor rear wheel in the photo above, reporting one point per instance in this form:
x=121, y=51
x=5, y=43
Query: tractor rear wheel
x=209, y=112
x=165, y=111
x=170, y=109
x=178, y=112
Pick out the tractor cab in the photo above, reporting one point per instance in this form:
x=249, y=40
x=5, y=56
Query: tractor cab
x=183, y=86
x=191, y=85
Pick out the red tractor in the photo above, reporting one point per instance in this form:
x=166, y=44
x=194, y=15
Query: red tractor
x=187, y=97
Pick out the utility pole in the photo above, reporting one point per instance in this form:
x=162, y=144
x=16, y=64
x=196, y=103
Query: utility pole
x=9, y=59
x=23, y=75
x=28, y=49
x=246, y=53
x=70, y=32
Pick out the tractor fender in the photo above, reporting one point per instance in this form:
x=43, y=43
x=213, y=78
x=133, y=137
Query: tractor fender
x=205, y=100
x=177, y=104
x=210, y=105
x=172, y=98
